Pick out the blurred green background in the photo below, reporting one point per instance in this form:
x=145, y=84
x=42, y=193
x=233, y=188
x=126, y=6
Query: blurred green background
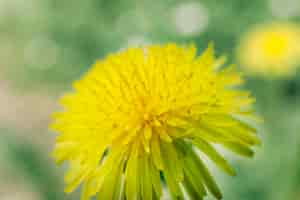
x=45, y=45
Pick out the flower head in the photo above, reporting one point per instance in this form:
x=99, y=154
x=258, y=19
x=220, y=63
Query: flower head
x=271, y=50
x=134, y=120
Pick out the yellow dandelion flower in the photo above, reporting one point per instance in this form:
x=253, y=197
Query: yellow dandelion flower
x=271, y=50
x=133, y=122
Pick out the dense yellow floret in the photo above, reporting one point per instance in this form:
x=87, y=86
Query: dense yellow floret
x=134, y=121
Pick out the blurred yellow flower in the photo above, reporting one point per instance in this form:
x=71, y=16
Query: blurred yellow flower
x=137, y=117
x=271, y=50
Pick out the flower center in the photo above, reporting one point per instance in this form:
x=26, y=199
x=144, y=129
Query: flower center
x=275, y=46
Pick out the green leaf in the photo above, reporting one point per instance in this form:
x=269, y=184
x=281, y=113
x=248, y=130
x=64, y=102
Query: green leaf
x=210, y=151
x=239, y=148
x=193, y=194
x=197, y=172
x=207, y=178
x=170, y=171
x=194, y=183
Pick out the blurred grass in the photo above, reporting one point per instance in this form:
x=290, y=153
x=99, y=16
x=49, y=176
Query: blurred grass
x=24, y=159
